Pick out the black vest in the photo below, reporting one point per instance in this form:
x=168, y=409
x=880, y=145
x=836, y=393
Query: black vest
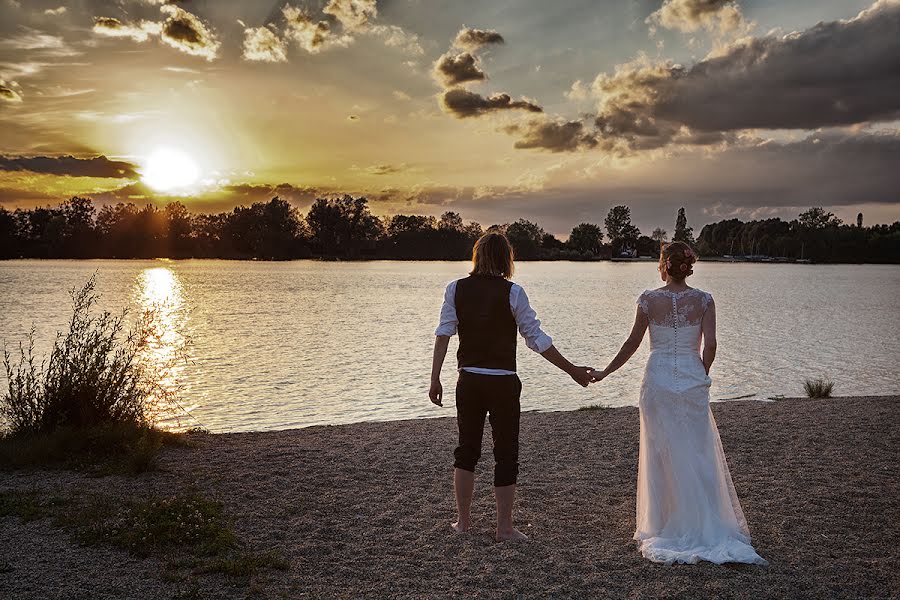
x=487, y=327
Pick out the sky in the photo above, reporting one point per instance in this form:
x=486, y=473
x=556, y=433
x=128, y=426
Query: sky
x=499, y=110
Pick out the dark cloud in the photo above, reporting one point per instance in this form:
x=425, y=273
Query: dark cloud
x=99, y=166
x=471, y=39
x=353, y=15
x=139, y=32
x=7, y=94
x=555, y=135
x=181, y=30
x=462, y=103
x=185, y=31
x=835, y=73
x=311, y=35
x=248, y=193
x=453, y=69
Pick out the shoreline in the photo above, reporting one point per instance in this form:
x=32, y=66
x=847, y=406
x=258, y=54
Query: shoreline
x=709, y=259
x=363, y=510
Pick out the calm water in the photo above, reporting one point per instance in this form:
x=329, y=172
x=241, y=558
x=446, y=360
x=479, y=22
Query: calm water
x=281, y=345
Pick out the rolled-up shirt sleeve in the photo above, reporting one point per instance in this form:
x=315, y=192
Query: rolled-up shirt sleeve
x=449, y=320
x=527, y=321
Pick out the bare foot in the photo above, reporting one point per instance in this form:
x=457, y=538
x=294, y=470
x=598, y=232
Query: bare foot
x=513, y=535
x=459, y=527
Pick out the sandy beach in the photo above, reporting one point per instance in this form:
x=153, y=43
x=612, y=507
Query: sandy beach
x=364, y=510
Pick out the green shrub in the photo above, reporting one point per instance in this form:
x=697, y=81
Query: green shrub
x=818, y=388
x=97, y=373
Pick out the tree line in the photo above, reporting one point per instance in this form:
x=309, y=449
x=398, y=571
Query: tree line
x=345, y=228
x=816, y=235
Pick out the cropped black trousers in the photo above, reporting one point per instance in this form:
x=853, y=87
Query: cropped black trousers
x=495, y=396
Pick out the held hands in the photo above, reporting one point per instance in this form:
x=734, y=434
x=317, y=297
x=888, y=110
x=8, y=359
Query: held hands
x=582, y=375
x=597, y=375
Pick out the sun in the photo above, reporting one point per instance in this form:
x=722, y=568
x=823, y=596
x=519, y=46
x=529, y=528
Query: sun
x=169, y=169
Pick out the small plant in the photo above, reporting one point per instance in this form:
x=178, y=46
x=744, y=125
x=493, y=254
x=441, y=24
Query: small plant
x=189, y=529
x=818, y=388
x=594, y=407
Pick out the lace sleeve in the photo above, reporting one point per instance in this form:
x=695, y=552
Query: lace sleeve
x=705, y=300
x=642, y=304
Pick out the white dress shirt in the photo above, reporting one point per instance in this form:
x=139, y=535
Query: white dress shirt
x=526, y=320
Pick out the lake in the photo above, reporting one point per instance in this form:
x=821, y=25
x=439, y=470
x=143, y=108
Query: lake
x=276, y=345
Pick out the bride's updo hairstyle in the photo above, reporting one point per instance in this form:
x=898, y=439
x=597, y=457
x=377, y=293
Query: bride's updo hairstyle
x=493, y=255
x=677, y=258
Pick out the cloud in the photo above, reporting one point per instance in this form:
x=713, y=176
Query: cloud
x=354, y=15
x=385, y=169
x=262, y=44
x=835, y=73
x=32, y=39
x=555, y=135
x=462, y=103
x=7, y=94
x=453, y=69
x=181, y=30
x=55, y=12
x=472, y=40
x=578, y=91
x=397, y=37
x=185, y=31
x=139, y=32
x=99, y=166
x=313, y=36
x=722, y=16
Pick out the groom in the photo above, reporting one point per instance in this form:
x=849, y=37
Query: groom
x=486, y=309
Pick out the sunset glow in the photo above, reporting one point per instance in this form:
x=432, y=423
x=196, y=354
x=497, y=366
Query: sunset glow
x=169, y=169
x=497, y=111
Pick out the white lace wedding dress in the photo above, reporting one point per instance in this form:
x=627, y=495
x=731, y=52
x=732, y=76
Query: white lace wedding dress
x=687, y=508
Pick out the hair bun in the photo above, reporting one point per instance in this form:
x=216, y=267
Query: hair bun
x=677, y=258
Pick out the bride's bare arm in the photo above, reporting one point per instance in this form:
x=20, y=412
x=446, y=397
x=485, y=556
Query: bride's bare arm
x=708, y=327
x=629, y=347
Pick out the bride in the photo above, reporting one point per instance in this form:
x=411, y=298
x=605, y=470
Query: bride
x=687, y=508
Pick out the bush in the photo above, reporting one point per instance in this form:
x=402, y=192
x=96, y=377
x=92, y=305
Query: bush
x=818, y=388
x=96, y=374
x=103, y=449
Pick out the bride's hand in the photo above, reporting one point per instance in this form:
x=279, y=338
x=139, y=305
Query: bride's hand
x=596, y=375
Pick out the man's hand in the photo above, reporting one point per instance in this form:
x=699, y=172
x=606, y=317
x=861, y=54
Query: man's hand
x=581, y=375
x=436, y=393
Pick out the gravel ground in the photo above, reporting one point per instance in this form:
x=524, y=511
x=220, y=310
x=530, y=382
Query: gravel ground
x=364, y=510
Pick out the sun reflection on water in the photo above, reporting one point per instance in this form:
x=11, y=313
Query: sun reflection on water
x=160, y=292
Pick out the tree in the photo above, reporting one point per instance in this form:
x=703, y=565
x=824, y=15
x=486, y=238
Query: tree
x=586, y=238
x=817, y=218
x=551, y=242
x=451, y=221
x=620, y=230
x=179, y=227
x=79, y=235
x=525, y=238
x=683, y=233
x=859, y=220
x=659, y=235
x=342, y=226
